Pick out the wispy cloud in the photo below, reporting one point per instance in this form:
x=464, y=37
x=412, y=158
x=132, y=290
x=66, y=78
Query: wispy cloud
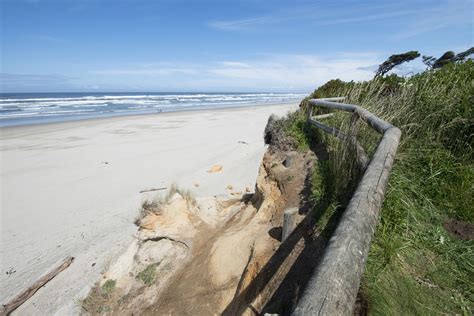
x=274, y=72
x=151, y=69
x=237, y=64
x=323, y=15
x=31, y=82
x=320, y=17
x=420, y=17
x=241, y=24
x=49, y=38
x=31, y=78
x=450, y=13
x=368, y=17
x=263, y=72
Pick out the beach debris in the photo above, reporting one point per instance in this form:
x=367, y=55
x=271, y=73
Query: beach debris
x=196, y=184
x=10, y=272
x=215, y=168
x=6, y=309
x=105, y=162
x=93, y=264
x=248, y=190
x=152, y=189
x=229, y=187
x=242, y=142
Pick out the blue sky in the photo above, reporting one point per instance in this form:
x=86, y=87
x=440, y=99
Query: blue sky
x=220, y=45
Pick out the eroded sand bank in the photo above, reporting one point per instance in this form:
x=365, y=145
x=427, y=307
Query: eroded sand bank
x=73, y=188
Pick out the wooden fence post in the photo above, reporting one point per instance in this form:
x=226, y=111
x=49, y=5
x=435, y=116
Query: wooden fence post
x=289, y=222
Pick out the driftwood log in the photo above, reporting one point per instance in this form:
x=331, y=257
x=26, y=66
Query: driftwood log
x=152, y=189
x=30, y=291
x=333, y=287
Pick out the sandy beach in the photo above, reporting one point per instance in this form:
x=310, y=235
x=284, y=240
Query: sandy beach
x=73, y=188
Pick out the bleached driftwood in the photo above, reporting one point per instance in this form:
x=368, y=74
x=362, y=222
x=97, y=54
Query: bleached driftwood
x=152, y=189
x=333, y=287
x=30, y=291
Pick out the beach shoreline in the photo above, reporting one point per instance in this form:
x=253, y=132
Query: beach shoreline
x=27, y=109
x=87, y=120
x=73, y=188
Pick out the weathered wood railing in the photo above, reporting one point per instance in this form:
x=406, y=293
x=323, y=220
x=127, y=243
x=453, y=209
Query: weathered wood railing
x=333, y=287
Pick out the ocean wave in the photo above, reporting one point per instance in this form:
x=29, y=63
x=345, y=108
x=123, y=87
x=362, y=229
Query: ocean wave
x=146, y=96
x=23, y=109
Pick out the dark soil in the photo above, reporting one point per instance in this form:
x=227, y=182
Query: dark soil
x=459, y=229
x=361, y=306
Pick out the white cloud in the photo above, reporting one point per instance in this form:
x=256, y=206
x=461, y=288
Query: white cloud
x=32, y=82
x=267, y=72
x=296, y=70
x=235, y=64
x=152, y=71
x=232, y=25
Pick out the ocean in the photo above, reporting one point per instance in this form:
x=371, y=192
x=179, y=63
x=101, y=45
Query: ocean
x=34, y=108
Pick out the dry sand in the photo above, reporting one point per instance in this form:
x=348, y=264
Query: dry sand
x=73, y=188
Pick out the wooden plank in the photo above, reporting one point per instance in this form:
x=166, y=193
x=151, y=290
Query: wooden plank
x=362, y=158
x=333, y=99
x=376, y=123
x=322, y=116
x=328, y=129
x=30, y=291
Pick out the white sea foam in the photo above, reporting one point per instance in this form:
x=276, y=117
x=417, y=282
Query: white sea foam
x=17, y=109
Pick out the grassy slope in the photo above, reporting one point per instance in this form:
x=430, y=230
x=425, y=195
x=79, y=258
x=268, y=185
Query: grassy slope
x=414, y=266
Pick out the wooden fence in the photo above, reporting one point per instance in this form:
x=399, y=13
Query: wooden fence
x=333, y=287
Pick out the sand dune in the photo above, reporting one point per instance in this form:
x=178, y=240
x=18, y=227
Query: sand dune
x=73, y=188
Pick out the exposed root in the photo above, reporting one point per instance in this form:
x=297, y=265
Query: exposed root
x=158, y=238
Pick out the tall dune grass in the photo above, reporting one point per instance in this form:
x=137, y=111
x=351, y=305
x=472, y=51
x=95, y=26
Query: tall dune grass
x=415, y=266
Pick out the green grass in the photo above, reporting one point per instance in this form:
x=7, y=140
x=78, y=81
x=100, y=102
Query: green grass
x=411, y=250
x=98, y=299
x=295, y=125
x=414, y=267
x=108, y=287
x=148, y=275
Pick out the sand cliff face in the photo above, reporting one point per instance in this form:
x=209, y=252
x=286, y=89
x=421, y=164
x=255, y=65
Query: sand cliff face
x=208, y=255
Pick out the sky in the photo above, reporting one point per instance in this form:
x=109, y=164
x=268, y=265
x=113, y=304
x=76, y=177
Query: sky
x=217, y=45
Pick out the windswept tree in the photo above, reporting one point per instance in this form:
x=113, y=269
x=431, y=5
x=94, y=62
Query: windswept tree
x=394, y=61
x=445, y=59
x=428, y=60
x=463, y=55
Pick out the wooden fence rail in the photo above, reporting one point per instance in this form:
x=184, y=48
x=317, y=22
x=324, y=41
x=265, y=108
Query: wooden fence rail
x=333, y=287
